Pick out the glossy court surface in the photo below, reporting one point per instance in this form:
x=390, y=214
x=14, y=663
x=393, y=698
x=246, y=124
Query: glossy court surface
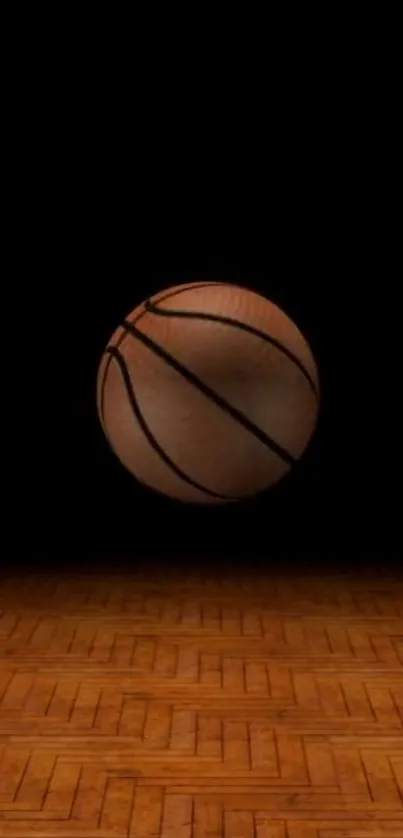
x=150, y=705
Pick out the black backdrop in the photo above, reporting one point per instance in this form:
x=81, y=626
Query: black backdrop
x=110, y=200
x=69, y=502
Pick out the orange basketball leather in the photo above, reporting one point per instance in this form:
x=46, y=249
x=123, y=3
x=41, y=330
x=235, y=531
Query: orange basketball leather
x=208, y=393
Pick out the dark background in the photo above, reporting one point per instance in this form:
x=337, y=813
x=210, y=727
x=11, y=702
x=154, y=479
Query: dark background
x=101, y=214
x=68, y=503
x=289, y=189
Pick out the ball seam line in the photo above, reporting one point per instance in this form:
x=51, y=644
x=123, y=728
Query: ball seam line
x=165, y=296
x=117, y=356
x=230, y=321
x=211, y=394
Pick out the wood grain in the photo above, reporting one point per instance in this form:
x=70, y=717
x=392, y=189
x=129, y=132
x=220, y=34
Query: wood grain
x=201, y=707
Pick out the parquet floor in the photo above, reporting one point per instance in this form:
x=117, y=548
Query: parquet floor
x=201, y=707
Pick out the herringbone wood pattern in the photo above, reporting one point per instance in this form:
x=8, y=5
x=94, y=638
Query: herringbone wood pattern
x=201, y=707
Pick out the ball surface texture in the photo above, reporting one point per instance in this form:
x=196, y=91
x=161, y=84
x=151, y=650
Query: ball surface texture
x=208, y=393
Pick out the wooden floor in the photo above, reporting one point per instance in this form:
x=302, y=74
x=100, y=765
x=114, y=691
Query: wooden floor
x=201, y=707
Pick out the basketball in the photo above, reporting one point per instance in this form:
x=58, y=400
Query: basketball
x=208, y=393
